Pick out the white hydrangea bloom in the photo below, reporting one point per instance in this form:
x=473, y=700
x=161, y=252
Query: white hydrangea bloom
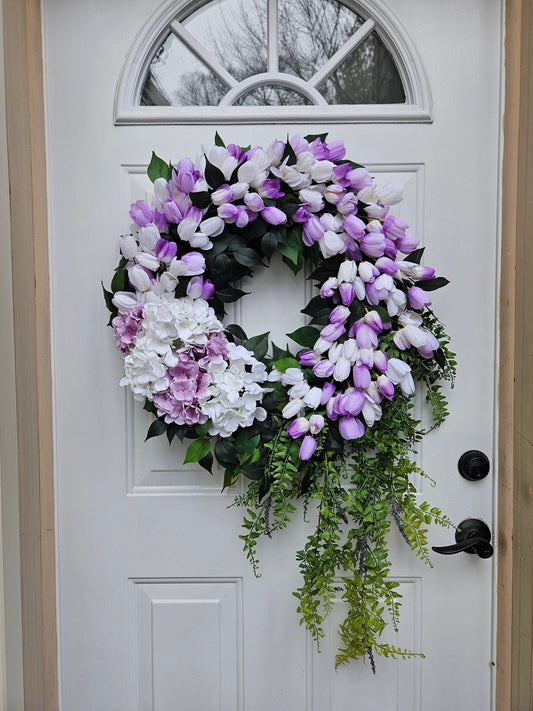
x=144, y=370
x=187, y=320
x=232, y=400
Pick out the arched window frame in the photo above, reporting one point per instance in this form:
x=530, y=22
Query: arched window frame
x=417, y=109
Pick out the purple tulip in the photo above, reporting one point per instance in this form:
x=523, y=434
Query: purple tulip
x=347, y=205
x=208, y=289
x=185, y=181
x=361, y=376
x=354, y=226
x=228, y=212
x=313, y=231
x=385, y=387
x=418, y=298
x=172, y=212
x=328, y=390
x=307, y=448
x=141, y=214
x=387, y=266
x=391, y=250
x=185, y=165
x=336, y=150
x=254, y=202
x=301, y=215
x=359, y=178
x=407, y=244
x=324, y=369
x=223, y=195
x=160, y=221
x=351, y=428
x=165, y=251
x=270, y=188
x=236, y=152
x=274, y=216
x=353, y=402
x=195, y=262
x=309, y=358
x=332, y=331
x=298, y=427
x=194, y=287
x=316, y=423
x=347, y=293
x=365, y=335
x=394, y=227
x=373, y=244
x=327, y=288
x=339, y=315
x=380, y=361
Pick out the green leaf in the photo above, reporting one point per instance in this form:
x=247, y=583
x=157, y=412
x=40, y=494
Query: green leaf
x=285, y=363
x=258, y=345
x=228, y=294
x=248, y=257
x=415, y=256
x=201, y=199
x=313, y=136
x=213, y=175
x=149, y=406
x=295, y=267
x=156, y=428
x=118, y=282
x=289, y=153
x=254, y=471
x=225, y=452
x=207, y=462
x=158, y=168
x=246, y=444
x=305, y=336
x=108, y=297
x=174, y=430
x=236, y=331
x=202, y=430
x=219, y=141
x=197, y=450
x=432, y=284
x=269, y=244
x=316, y=304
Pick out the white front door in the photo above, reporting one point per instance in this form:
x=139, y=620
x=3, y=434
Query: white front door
x=158, y=607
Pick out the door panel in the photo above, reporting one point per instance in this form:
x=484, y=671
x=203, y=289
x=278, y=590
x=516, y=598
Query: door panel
x=158, y=607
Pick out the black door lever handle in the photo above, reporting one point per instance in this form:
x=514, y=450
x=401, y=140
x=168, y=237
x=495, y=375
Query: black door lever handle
x=472, y=536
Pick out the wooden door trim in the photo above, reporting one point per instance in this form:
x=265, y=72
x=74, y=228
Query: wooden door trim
x=514, y=646
x=33, y=380
x=29, y=236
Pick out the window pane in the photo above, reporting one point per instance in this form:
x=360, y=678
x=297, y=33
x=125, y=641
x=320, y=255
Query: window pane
x=177, y=78
x=367, y=76
x=310, y=32
x=234, y=31
x=272, y=95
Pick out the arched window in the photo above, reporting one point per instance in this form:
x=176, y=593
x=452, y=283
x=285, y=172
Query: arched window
x=232, y=58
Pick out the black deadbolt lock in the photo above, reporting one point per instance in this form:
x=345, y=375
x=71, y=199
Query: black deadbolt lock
x=473, y=465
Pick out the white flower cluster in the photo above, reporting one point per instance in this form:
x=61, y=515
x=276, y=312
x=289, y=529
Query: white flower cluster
x=232, y=400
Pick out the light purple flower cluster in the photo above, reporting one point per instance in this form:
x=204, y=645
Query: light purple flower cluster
x=188, y=381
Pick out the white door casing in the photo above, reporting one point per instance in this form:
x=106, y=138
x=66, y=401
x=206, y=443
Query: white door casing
x=158, y=608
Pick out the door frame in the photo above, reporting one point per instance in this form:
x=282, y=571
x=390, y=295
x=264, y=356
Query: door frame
x=31, y=369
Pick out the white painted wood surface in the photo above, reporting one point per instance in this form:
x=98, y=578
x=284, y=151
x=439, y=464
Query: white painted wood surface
x=157, y=605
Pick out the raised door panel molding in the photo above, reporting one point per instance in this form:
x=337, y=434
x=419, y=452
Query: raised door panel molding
x=186, y=647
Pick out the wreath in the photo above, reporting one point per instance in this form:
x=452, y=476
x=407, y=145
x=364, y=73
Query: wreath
x=329, y=423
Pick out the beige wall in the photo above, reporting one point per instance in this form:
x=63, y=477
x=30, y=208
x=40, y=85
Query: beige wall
x=11, y=687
